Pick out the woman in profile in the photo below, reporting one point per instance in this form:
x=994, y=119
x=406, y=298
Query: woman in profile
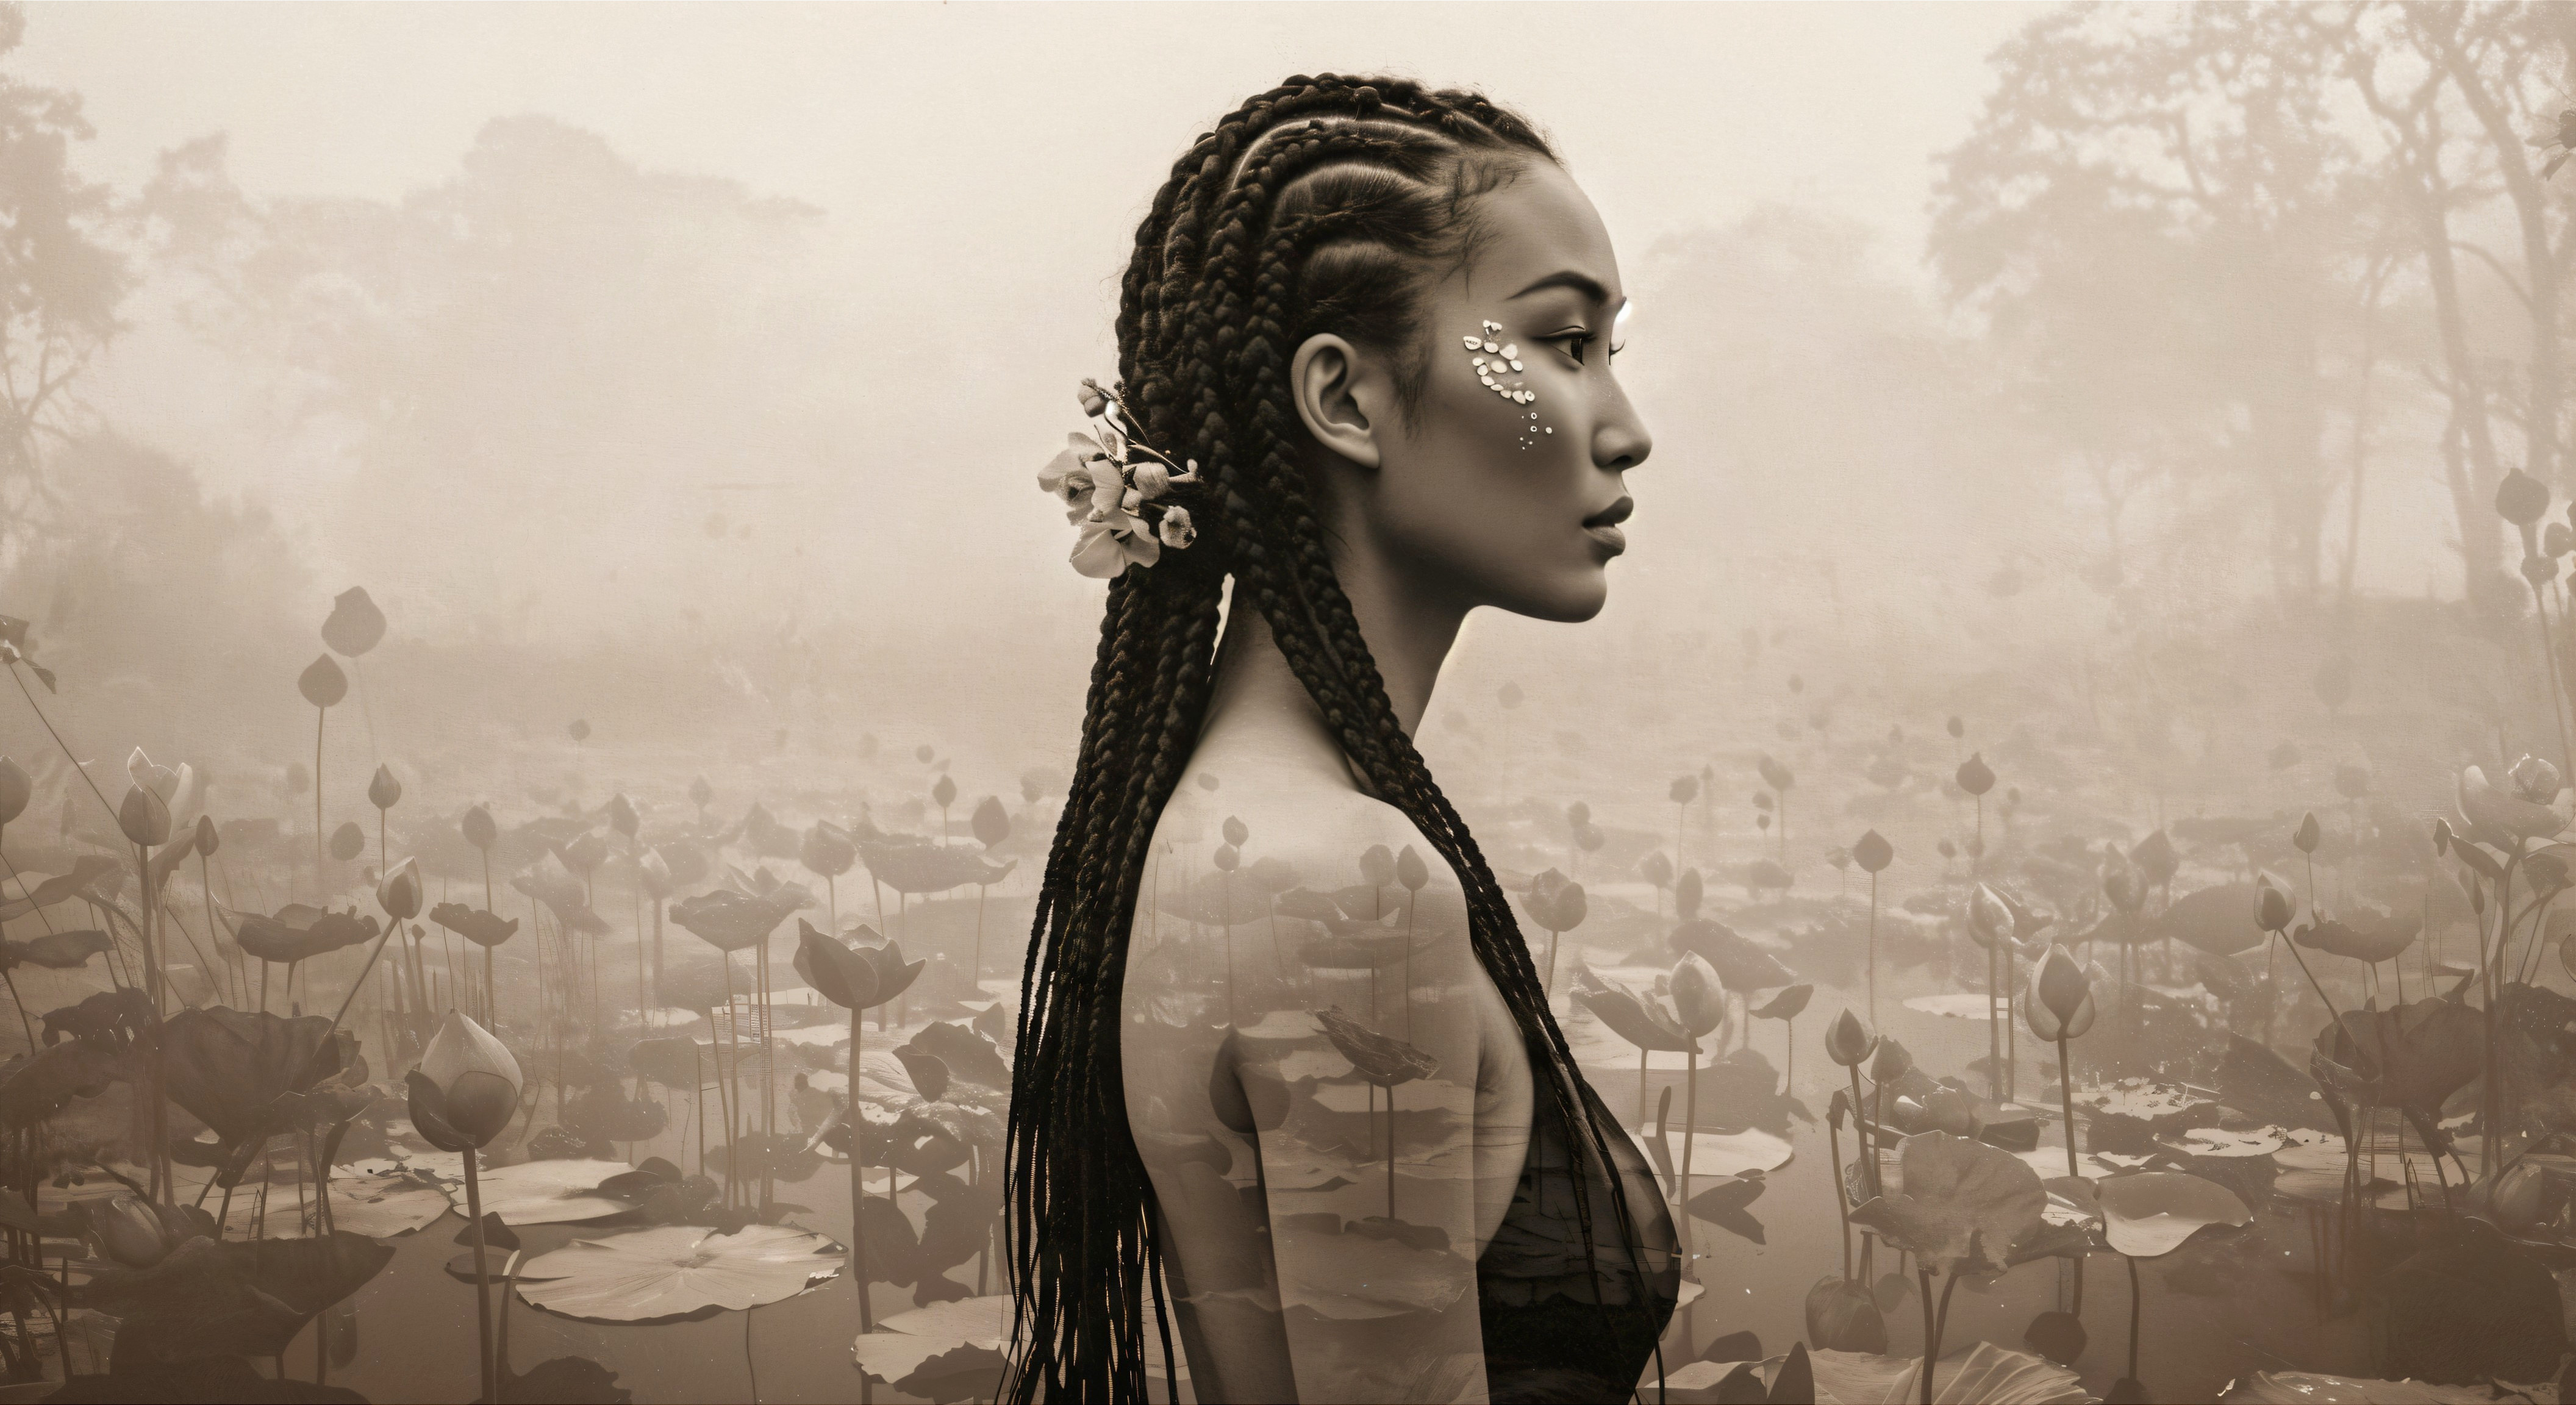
x=1283, y=1051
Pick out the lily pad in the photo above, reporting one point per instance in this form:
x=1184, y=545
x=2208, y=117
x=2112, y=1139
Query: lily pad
x=1984, y=1374
x=2317, y=1388
x=1964, y=1204
x=552, y=1192
x=379, y=1207
x=2153, y=1212
x=1733, y=1153
x=674, y=1270
x=1958, y=1005
x=2215, y=1141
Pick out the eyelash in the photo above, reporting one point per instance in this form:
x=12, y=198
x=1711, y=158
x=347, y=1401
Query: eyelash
x=1581, y=340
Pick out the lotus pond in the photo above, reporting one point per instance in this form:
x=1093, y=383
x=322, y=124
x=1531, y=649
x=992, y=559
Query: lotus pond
x=416, y=1095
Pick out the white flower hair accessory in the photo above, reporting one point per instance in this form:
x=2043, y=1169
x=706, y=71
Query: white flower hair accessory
x=1115, y=487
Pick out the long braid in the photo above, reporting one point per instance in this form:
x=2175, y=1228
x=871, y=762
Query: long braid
x=1228, y=270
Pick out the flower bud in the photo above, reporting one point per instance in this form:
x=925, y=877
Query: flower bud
x=2272, y=907
x=209, y=839
x=844, y=977
x=479, y=829
x=1095, y=402
x=384, y=792
x=1975, y=777
x=1872, y=852
x=466, y=1087
x=1228, y=858
x=128, y=1231
x=1847, y=1040
x=1176, y=530
x=1152, y=480
x=399, y=893
x=657, y=874
x=1989, y=919
x=1411, y=871
x=323, y=684
x=144, y=816
x=2058, y=982
x=2534, y=779
x=15, y=788
x=2521, y=498
x=1698, y=996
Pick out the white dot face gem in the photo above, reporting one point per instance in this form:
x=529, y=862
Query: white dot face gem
x=1489, y=346
x=1473, y=342
x=1514, y=349
x=1516, y=365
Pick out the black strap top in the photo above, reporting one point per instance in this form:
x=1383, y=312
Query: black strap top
x=1561, y=1325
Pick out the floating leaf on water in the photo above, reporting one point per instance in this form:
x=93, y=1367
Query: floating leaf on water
x=1842, y=1316
x=1724, y=1206
x=2476, y=1308
x=674, y=1270
x=2153, y=1212
x=210, y=1299
x=1734, y=1153
x=2317, y=1388
x=552, y=1192
x=1964, y=1203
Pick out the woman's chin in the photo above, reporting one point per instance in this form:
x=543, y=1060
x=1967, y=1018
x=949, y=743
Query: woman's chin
x=1570, y=598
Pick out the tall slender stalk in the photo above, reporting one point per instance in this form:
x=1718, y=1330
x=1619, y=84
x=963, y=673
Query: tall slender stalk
x=482, y=1280
x=858, y=1176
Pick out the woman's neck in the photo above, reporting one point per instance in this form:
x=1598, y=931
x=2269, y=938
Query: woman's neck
x=1257, y=698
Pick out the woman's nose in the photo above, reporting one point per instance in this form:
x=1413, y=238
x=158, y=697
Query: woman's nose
x=1620, y=439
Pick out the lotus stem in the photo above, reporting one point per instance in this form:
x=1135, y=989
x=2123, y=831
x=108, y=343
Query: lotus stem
x=1873, y=967
x=1842, y=1194
x=321, y=887
x=1931, y=1330
x=1690, y=1126
x=2134, y=1300
x=858, y=1191
x=1861, y=1134
x=482, y=1278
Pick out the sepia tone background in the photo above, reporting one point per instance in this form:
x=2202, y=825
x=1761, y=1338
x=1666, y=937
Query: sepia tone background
x=2118, y=395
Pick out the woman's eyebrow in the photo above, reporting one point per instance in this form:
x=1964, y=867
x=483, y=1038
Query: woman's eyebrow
x=1583, y=283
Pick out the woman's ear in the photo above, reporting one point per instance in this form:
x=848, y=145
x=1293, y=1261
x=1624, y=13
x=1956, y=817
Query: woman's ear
x=1337, y=387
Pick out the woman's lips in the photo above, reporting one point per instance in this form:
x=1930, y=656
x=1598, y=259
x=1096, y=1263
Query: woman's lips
x=1603, y=526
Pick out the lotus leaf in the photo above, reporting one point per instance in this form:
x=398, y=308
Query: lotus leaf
x=1842, y=1315
x=1380, y=1060
x=2414, y=1056
x=85, y=870
x=2217, y=920
x=674, y=1270
x=228, y=1069
x=2153, y=1212
x=730, y=921
x=221, y=1299
x=58, y=951
x=922, y=867
x=1739, y=963
x=1984, y=1374
x=551, y=1192
x=1964, y=1204
x=2317, y=1388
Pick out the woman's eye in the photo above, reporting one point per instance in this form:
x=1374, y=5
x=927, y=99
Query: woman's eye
x=1574, y=342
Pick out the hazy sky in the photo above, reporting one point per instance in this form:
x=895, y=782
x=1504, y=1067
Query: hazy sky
x=1674, y=115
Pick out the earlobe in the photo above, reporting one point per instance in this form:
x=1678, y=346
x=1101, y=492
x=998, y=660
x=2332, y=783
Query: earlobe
x=1325, y=377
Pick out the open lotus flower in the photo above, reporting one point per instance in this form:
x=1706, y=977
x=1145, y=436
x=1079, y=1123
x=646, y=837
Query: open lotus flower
x=474, y=924
x=466, y=1087
x=2503, y=820
x=860, y=978
x=399, y=893
x=2060, y=1005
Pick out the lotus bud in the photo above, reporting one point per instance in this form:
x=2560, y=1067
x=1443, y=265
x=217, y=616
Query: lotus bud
x=2556, y=539
x=1687, y=892
x=2534, y=780
x=1683, y=790
x=657, y=874
x=15, y=790
x=322, y=683
x=479, y=829
x=399, y=893
x=128, y=1231
x=2441, y=836
x=1975, y=777
x=209, y=839
x=1235, y=831
x=622, y=816
x=943, y=791
x=2272, y=907
x=1989, y=919
x=384, y=791
x=1847, y=1040
x=1095, y=401
x=2517, y=1198
x=1571, y=906
x=466, y=1087
x=1411, y=871
x=990, y=822
x=1872, y=852
x=1890, y=1063
x=2539, y=569
x=2521, y=499
x=1228, y=858
x=1699, y=998
x=144, y=816
x=2306, y=837
x=2058, y=983
x=1656, y=869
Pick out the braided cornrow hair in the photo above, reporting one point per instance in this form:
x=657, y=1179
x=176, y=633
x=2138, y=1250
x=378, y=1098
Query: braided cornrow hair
x=1319, y=205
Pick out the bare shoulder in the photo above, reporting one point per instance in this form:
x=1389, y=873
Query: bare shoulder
x=1317, y=825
